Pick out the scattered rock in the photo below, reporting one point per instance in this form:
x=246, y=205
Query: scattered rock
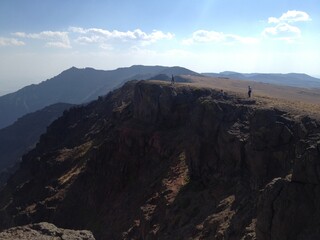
x=44, y=231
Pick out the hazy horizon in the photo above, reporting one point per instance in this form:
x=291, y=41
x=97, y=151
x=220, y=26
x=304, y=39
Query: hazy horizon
x=40, y=39
x=4, y=91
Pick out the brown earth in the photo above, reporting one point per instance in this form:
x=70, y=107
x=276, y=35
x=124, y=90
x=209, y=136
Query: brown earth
x=299, y=100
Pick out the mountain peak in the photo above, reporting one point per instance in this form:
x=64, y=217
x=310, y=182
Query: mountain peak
x=73, y=68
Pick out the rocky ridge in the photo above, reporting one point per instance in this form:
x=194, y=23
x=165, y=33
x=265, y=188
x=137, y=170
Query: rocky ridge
x=44, y=231
x=155, y=161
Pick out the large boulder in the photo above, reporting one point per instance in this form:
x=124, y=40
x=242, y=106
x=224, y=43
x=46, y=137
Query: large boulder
x=44, y=231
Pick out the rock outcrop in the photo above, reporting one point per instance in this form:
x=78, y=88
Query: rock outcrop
x=288, y=208
x=155, y=161
x=44, y=231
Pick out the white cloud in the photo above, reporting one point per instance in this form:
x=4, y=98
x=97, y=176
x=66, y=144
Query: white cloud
x=295, y=16
x=20, y=34
x=284, y=28
x=97, y=35
x=77, y=30
x=282, y=31
x=90, y=39
x=290, y=17
x=104, y=38
x=10, y=42
x=58, y=44
x=207, y=36
x=53, y=38
x=204, y=36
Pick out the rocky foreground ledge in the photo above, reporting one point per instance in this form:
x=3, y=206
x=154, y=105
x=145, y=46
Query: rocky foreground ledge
x=44, y=231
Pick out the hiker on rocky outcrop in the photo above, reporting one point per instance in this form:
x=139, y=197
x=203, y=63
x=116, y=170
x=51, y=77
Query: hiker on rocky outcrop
x=249, y=91
x=172, y=80
x=221, y=94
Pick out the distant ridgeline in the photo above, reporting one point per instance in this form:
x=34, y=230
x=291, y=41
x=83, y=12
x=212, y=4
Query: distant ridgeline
x=75, y=86
x=291, y=79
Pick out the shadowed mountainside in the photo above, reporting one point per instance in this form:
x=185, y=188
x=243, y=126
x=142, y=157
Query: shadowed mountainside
x=22, y=136
x=75, y=86
x=155, y=161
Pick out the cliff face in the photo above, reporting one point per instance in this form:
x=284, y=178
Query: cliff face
x=153, y=161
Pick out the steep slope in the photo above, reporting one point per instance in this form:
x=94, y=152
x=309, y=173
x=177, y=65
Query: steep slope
x=153, y=161
x=74, y=86
x=23, y=135
x=290, y=79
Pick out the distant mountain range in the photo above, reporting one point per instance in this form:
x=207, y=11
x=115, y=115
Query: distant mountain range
x=75, y=86
x=18, y=138
x=291, y=79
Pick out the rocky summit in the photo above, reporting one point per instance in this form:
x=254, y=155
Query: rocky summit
x=158, y=161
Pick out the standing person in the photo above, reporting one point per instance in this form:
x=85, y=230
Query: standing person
x=221, y=93
x=249, y=91
x=172, y=79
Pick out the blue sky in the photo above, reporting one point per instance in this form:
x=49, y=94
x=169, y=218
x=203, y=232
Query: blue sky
x=41, y=38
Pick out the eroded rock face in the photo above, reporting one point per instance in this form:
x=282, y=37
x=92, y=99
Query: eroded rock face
x=289, y=208
x=153, y=161
x=44, y=231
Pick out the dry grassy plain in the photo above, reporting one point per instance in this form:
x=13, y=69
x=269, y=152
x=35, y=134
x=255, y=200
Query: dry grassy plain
x=295, y=100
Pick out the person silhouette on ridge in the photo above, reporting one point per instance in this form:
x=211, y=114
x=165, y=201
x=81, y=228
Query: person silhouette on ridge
x=172, y=80
x=249, y=91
